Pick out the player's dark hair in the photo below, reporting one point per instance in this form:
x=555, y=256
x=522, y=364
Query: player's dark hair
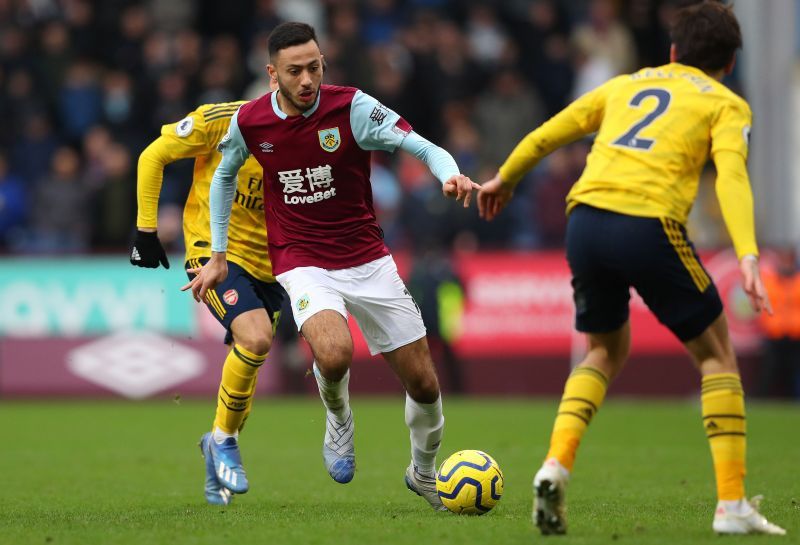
x=289, y=34
x=706, y=35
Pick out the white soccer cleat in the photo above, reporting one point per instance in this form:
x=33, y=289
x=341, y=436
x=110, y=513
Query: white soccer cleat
x=549, y=487
x=425, y=486
x=338, y=449
x=749, y=522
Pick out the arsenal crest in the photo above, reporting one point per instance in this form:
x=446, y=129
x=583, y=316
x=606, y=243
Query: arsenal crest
x=329, y=139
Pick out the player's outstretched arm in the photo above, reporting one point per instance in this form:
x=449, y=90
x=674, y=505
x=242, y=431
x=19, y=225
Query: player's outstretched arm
x=442, y=165
x=736, y=203
x=376, y=127
x=147, y=250
x=182, y=140
x=580, y=118
x=493, y=196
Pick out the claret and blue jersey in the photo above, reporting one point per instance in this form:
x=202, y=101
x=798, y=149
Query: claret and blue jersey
x=319, y=209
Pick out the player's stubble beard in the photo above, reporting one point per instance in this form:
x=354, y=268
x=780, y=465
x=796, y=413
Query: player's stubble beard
x=287, y=94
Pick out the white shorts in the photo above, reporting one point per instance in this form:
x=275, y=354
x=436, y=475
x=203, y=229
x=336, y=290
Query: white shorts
x=373, y=293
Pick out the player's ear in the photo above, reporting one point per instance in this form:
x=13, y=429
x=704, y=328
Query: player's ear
x=673, y=53
x=730, y=65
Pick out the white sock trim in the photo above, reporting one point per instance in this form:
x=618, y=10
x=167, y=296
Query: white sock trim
x=219, y=435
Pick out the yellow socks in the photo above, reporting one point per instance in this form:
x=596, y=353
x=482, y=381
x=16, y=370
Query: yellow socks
x=583, y=395
x=724, y=422
x=237, y=388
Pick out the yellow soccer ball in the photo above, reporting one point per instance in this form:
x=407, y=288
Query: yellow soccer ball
x=469, y=482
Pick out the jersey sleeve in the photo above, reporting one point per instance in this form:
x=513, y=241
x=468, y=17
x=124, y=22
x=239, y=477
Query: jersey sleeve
x=580, y=118
x=223, y=184
x=374, y=126
x=441, y=163
x=731, y=128
x=589, y=109
x=736, y=201
x=185, y=139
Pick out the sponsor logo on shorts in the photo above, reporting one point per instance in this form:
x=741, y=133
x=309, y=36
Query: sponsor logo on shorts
x=230, y=297
x=302, y=303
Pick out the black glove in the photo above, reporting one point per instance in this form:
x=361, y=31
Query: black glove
x=147, y=251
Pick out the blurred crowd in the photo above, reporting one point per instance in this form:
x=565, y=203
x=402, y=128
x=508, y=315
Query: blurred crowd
x=86, y=85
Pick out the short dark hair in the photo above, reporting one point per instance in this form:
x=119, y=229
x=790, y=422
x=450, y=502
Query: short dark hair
x=289, y=34
x=706, y=35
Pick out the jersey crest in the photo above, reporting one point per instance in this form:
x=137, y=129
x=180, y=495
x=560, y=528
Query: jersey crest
x=329, y=139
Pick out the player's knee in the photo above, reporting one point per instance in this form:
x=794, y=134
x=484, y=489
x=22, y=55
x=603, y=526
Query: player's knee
x=256, y=343
x=423, y=388
x=333, y=359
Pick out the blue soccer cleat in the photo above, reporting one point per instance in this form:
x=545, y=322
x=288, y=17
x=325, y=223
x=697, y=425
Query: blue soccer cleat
x=226, y=463
x=216, y=494
x=338, y=450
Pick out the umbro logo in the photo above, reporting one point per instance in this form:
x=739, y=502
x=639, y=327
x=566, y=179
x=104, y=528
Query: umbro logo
x=266, y=147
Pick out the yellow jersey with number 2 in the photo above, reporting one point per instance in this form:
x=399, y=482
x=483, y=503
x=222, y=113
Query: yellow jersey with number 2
x=656, y=129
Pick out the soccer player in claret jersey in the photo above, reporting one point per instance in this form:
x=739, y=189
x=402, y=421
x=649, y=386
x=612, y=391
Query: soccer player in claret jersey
x=247, y=303
x=327, y=250
x=655, y=130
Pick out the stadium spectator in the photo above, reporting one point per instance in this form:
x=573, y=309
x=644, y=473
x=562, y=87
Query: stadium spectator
x=780, y=372
x=604, y=46
x=550, y=193
x=13, y=203
x=135, y=65
x=504, y=114
x=60, y=213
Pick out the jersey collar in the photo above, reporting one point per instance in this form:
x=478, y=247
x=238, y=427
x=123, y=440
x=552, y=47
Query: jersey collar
x=280, y=113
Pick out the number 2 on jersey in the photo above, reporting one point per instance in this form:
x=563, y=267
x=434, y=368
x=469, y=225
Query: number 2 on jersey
x=631, y=139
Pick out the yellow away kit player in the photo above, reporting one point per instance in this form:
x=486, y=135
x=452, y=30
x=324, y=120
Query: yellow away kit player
x=656, y=129
x=248, y=302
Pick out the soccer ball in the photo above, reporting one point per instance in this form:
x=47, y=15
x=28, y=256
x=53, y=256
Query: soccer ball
x=469, y=482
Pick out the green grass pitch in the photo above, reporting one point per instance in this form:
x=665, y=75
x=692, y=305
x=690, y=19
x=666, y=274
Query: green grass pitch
x=130, y=473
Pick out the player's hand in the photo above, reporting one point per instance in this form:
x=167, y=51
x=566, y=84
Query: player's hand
x=493, y=196
x=753, y=285
x=460, y=187
x=208, y=277
x=147, y=251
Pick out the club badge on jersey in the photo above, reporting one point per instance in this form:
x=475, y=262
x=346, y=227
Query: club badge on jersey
x=329, y=139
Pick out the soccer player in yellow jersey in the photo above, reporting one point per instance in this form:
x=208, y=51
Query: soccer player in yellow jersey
x=248, y=302
x=655, y=131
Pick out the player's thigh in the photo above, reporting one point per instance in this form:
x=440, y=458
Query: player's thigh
x=600, y=290
x=414, y=367
x=232, y=298
x=387, y=315
x=673, y=282
x=328, y=335
x=319, y=313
